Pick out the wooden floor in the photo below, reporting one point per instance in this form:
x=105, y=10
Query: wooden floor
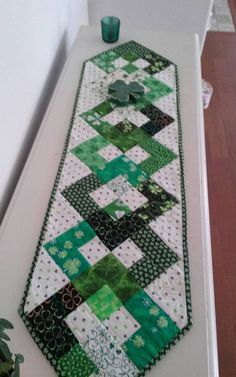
x=232, y=5
x=219, y=67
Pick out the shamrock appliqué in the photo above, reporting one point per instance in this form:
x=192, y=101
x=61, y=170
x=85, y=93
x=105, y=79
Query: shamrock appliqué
x=123, y=93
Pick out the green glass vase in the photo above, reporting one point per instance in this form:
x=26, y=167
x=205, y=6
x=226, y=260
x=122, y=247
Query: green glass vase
x=110, y=29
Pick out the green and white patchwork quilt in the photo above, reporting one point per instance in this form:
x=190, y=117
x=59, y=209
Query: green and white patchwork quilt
x=109, y=290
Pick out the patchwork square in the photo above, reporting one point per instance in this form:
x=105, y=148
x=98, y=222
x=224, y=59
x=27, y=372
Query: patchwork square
x=46, y=319
x=128, y=253
x=126, y=126
x=159, y=201
x=102, y=343
x=130, y=68
x=137, y=118
x=119, y=185
x=103, y=196
x=122, y=166
x=157, y=64
x=133, y=199
x=156, y=331
x=78, y=195
x=64, y=249
x=158, y=119
x=81, y=322
x=76, y=362
x=110, y=152
x=104, y=302
x=115, y=117
x=137, y=154
x=113, y=233
x=94, y=250
x=120, y=63
x=108, y=271
x=141, y=63
x=117, y=209
x=121, y=324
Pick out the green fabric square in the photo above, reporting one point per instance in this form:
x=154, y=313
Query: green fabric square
x=160, y=156
x=104, y=108
x=64, y=249
x=116, y=209
x=122, y=165
x=86, y=151
x=78, y=196
x=143, y=102
x=130, y=56
x=76, y=363
x=157, y=87
x=125, y=141
x=157, y=65
x=130, y=68
x=103, y=128
x=126, y=126
x=157, y=330
x=159, y=201
x=104, y=302
x=111, y=271
x=104, y=61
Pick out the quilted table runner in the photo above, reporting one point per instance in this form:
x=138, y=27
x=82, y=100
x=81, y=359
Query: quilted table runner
x=109, y=291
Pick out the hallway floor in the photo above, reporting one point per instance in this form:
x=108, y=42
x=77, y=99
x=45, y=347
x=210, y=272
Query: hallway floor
x=218, y=66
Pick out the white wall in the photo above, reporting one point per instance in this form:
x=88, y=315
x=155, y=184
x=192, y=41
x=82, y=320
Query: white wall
x=35, y=37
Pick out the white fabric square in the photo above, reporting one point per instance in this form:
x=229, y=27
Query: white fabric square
x=169, y=228
x=168, y=136
x=128, y=253
x=168, y=104
x=81, y=322
x=133, y=199
x=73, y=170
x=114, y=117
x=168, y=178
x=110, y=152
x=137, y=154
x=141, y=63
x=92, y=73
x=119, y=185
x=47, y=279
x=167, y=76
x=60, y=211
x=103, y=196
x=121, y=325
x=120, y=62
x=139, y=76
x=137, y=118
x=80, y=132
x=168, y=291
x=110, y=360
x=94, y=250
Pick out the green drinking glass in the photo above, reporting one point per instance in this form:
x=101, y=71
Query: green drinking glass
x=110, y=29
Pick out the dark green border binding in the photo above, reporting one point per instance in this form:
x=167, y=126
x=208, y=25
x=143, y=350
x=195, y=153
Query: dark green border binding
x=131, y=45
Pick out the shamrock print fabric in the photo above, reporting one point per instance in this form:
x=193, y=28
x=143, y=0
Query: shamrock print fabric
x=109, y=290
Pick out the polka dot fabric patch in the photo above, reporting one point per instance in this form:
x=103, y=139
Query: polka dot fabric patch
x=121, y=325
x=110, y=152
x=137, y=154
x=109, y=289
x=128, y=253
x=94, y=250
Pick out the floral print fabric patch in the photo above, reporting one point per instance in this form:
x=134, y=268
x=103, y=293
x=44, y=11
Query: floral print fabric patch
x=109, y=290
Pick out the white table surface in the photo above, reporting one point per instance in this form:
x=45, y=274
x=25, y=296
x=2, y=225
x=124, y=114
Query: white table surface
x=196, y=354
